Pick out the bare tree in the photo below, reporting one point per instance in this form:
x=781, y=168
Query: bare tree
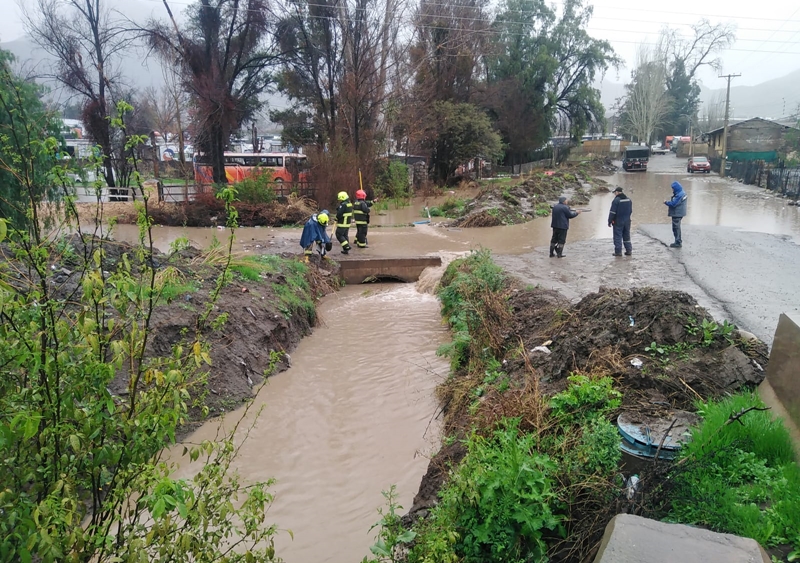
x=707, y=41
x=646, y=102
x=85, y=41
x=713, y=114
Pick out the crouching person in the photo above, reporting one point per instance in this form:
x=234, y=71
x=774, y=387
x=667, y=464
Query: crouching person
x=314, y=233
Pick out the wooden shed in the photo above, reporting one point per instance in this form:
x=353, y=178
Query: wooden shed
x=753, y=139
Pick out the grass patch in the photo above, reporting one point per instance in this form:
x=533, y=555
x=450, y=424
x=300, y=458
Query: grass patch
x=739, y=477
x=452, y=207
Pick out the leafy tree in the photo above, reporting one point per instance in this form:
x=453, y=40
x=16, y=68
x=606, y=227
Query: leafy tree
x=298, y=126
x=684, y=94
x=541, y=71
x=457, y=134
x=225, y=56
x=27, y=133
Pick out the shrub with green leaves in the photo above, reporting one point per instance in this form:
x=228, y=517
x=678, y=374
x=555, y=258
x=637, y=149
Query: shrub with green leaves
x=257, y=187
x=471, y=292
x=497, y=505
x=585, y=399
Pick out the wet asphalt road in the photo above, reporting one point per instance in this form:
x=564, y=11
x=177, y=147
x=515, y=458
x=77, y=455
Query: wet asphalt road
x=754, y=277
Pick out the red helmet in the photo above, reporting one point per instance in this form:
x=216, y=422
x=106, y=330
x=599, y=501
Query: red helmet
x=361, y=194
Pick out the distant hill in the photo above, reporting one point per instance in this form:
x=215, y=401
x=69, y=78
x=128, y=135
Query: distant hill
x=773, y=99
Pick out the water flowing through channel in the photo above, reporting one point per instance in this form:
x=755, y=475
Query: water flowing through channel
x=352, y=416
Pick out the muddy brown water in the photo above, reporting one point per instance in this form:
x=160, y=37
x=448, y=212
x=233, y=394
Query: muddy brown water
x=350, y=417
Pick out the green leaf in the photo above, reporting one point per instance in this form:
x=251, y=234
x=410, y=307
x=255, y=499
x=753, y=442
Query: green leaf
x=158, y=509
x=3, y=230
x=406, y=536
x=75, y=443
x=31, y=427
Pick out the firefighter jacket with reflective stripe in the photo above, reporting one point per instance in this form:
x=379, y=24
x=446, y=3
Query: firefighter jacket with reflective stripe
x=361, y=212
x=344, y=214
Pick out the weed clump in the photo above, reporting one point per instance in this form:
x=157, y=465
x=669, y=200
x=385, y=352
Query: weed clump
x=738, y=475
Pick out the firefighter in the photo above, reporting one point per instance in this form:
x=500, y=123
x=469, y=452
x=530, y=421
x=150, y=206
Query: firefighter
x=344, y=216
x=314, y=232
x=361, y=218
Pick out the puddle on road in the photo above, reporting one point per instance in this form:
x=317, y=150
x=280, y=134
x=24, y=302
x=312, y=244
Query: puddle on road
x=351, y=417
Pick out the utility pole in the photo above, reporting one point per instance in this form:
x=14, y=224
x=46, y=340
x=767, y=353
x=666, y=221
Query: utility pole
x=725, y=129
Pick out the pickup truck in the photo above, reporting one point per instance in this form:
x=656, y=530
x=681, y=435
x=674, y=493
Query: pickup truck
x=658, y=150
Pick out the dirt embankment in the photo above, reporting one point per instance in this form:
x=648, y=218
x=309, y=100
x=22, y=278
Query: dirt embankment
x=530, y=198
x=264, y=308
x=662, y=349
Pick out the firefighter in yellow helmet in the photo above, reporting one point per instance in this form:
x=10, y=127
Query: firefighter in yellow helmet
x=314, y=233
x=344, y=217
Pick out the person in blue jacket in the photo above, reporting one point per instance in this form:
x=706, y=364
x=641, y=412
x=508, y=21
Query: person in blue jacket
x=620, y=219
x=559, y=222
x=314, y=232
x=677, y=210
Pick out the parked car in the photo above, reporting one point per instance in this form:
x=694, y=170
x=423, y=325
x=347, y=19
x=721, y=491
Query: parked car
x=698, y=164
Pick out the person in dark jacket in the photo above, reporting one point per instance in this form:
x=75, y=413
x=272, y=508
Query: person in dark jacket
x=677, y=210
x=361, y=217
x=344, y=216
x=620, y=219
x=562, y=213
x=314, y=232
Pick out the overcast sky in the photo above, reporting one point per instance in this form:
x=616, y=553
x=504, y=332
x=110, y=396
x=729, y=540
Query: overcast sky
x=767, y=44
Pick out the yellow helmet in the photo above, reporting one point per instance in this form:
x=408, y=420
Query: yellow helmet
x=322, y=219
x=342, y=196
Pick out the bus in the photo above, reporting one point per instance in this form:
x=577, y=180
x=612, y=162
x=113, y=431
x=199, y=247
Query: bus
x=285, y=167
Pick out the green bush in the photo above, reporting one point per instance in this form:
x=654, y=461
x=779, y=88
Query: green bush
x=451, y=207
x=585, y=399
x=598, y=450
x=257, y=187
x=472, y=304
x=496, y=506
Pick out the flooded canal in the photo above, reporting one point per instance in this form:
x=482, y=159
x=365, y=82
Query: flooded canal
x=351, y=417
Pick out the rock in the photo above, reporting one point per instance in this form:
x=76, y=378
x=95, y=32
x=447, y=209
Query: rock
x=633, y=539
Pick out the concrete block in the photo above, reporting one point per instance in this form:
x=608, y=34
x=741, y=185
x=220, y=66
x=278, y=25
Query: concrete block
x=633, y=539
x=783, y=371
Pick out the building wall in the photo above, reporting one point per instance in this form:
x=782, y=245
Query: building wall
x=757, y=136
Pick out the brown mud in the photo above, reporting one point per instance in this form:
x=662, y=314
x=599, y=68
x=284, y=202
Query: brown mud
x=530, y=198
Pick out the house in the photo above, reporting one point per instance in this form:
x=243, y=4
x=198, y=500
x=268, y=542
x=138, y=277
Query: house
x=752, y=139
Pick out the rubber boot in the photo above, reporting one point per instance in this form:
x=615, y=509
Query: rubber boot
x=560, y=250
x=552, y=250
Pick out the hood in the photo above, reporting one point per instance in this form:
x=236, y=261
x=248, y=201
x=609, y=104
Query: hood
x=676, y=188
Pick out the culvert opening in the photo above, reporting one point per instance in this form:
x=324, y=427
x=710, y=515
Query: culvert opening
x=383, y=279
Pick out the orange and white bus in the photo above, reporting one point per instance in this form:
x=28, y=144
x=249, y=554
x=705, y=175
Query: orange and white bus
x=285, y=167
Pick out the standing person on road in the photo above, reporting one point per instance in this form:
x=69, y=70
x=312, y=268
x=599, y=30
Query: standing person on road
x=344, y=216
x=361, y=217
x=620, y=219
x=677, y=210
x=560, y=224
